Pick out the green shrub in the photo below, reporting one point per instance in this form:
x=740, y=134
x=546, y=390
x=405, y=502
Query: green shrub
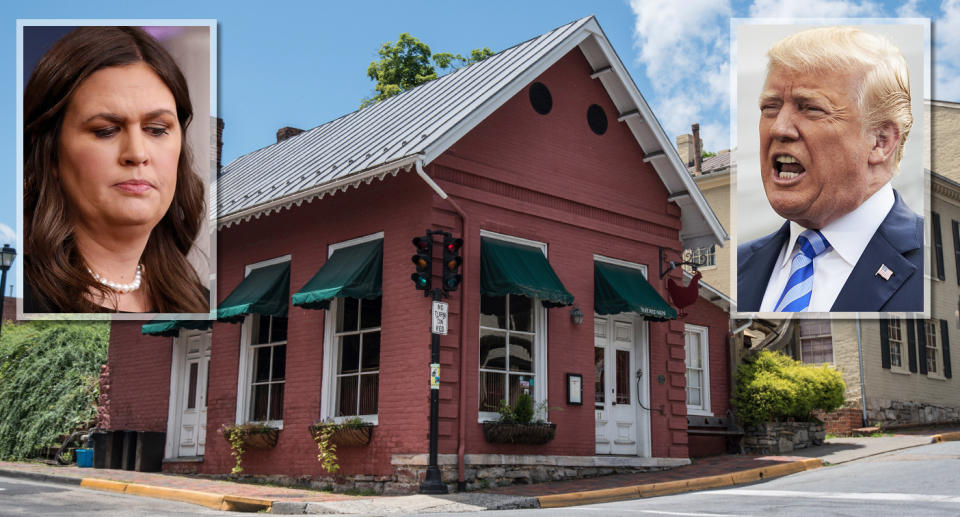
x=49, y=382
x=772, y=386
x=524, y=409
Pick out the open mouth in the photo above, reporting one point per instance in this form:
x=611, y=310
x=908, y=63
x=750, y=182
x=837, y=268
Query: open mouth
x=787, y=167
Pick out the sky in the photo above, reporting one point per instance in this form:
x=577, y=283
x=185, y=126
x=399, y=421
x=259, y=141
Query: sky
x=303, y=63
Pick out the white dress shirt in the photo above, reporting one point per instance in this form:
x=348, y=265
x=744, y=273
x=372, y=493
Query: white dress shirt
x=848, y=236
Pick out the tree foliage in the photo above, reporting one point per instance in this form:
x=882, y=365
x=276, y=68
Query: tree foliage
x=49, y=382
x=408, y=63
x=772, y=386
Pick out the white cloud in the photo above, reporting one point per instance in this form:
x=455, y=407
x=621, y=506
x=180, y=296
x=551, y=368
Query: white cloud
x=683, y=48
x=946, y=66
x=813, y=9
x=910, y=10
x=7, y=235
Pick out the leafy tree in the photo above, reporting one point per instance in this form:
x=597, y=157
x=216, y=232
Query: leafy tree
x=49, y=382
x=707, y=154
x=409, y=63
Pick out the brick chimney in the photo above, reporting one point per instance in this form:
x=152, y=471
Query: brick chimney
x=287, y=132
x=685, y=149
x=697, y=150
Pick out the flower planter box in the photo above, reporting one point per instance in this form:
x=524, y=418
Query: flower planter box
x=261, y=439
x=527, y=434
x=346, y=436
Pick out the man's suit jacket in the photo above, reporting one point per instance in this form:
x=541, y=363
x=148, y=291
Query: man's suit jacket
x=897, y=244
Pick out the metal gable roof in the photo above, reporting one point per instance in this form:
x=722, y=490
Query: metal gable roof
x=420, y=124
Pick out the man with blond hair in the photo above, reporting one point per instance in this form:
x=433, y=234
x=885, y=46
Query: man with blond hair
x=835, y=113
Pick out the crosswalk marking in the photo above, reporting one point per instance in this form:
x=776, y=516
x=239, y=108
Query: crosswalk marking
x=871, y=496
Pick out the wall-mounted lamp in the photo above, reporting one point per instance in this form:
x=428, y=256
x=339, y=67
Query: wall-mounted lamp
x=576, y=315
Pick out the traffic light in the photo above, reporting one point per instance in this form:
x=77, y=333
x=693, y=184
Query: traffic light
x=423, y=260
x=451, y=263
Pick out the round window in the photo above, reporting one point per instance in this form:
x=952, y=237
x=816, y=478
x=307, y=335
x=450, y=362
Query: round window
x=540, y=98
x=597, y=119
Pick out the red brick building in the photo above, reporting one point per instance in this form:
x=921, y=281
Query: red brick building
x=548, y=163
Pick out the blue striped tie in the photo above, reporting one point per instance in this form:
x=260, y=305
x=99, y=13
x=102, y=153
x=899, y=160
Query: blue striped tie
x=796, y=295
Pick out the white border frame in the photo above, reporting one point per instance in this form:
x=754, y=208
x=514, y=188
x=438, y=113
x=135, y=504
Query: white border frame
x=706, y=408
x=540, y=340
x=210, y=181
x=244, y=370
x=331, y=355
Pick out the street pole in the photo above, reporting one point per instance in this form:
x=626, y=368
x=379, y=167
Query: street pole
x=3, y=296
x=433, y=484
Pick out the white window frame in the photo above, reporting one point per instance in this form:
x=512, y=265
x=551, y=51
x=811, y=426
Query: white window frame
x=938, y=360
x=904, y=367
x=245, y=375
x=540, y=313
x=331, y=352
x=801, y=338
x=704, y=409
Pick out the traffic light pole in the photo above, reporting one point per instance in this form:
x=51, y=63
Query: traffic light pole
x=433, y=484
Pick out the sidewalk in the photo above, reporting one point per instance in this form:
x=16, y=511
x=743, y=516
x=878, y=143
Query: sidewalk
x=704, y=473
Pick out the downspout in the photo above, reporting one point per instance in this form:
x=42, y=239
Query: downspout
x=863, y=387
x=462, y=431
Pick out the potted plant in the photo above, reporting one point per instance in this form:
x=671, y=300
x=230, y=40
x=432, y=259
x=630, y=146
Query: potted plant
x=244, y=436
x=329, y=434
x=518, y=424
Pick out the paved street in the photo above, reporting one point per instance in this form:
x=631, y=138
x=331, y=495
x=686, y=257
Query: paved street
x=920, y=481
x=20, y=497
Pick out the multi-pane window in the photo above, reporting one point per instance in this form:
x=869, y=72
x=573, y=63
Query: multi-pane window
x=358, y=350
x=704, y=256
x=697, y=361
x=507, y=337
x=930, y=327
x=816, y=343
x=896, y=343
x=269, y=349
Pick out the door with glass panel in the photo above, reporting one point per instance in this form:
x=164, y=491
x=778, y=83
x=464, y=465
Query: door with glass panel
x=615, y=397
x=193, y=394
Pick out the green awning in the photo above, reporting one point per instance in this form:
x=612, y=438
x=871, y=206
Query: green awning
x=264, y=291
x=619, y=289
x=171, y=328
x=355, y=272
x=508, y=268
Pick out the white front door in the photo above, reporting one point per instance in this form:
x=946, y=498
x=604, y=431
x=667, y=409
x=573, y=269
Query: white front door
x=192, y=398
x=618, y=375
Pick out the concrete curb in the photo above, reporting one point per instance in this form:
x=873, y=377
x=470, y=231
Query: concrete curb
x=676, y=487
x=215, y=501
x=945, y=437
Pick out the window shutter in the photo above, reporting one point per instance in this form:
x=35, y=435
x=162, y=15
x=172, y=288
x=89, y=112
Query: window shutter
x=885, y=344
x=956, y=247
x=922, y=346
x=938, y=245
x=911, y=347
x=945, y=348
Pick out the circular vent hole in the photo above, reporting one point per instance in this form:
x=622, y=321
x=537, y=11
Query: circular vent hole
x=597, y=119
x=540, y=98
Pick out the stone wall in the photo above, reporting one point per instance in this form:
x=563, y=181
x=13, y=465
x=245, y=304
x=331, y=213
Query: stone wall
x=782, y=437
x=885, y=412
x=481, y=471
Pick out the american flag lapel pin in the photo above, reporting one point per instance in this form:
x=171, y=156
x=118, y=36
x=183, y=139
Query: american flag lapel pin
x=884, y=272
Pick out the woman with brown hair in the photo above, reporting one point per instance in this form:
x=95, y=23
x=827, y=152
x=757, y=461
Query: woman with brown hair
x=112, y=205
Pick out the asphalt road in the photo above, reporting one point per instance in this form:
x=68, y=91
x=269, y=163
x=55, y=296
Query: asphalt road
x=20, y=497
x=920, y=481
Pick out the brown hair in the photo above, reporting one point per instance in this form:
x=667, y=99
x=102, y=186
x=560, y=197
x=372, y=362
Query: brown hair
x=53, y=267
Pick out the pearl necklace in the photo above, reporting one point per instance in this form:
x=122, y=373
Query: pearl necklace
x=120, y=288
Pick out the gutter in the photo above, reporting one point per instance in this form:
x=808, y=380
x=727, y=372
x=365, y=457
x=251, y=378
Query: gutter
x=462, y=427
